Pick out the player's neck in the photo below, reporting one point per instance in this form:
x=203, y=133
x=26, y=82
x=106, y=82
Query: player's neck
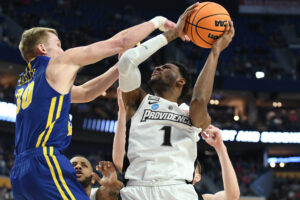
x=88, y=189
x=169, y=95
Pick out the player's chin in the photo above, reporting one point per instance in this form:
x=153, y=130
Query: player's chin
x=154, y=77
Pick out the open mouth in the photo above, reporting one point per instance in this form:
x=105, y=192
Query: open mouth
x=78, y=173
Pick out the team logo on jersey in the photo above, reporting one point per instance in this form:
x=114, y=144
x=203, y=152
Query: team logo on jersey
x=155, y=106
x=158, y=115
x=153, y=99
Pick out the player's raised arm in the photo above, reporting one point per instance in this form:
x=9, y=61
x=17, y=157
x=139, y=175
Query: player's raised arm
x=231, y=191
x=63, y=67
x=120, y=135
x=129, y=74
x=95, y=87
x=126, y=39
x=203, y=87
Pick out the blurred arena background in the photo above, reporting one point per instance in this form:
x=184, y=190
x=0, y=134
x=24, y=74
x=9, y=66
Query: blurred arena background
x=256, y=98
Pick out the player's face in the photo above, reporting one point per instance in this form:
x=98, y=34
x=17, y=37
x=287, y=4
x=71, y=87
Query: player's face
x=166, y=74
x=83, y=169
x=165, y=71
x=53, y=46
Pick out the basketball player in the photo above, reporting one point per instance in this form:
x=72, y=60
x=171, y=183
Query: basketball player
x=43, y=95
x=110, y=185
x=213, y=137
x=161, y=140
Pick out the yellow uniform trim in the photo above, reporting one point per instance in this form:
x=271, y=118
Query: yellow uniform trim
x=63, y=195
x=61, y=98
x=60, y=175
x=69, y=129
x=29, y=66
x=50, y=117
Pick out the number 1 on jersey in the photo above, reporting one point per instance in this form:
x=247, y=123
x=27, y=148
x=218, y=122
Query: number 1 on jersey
x=167, y=137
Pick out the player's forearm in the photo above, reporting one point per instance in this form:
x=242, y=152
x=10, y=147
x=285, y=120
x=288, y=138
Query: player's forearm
x=171, y=35
x=202, y=92
x=204, y=84
x=135, y=34
x=111, y=193
x=97, y=86
x=231, y=187
x=122, y=41
x=119, y=141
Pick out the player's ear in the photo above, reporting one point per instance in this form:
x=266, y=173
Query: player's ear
x=41, y=49
x=197, y=178
x=180, y=82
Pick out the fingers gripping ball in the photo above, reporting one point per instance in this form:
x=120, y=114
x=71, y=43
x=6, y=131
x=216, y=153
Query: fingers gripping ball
x=206, y=24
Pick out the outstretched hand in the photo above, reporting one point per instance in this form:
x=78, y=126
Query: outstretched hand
x=225, y=39
x=180, y=26
x=170, y=25
x=212, y=136
x=109, y=173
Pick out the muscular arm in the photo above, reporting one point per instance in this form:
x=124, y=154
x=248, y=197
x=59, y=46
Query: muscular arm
x=203, y=87
x=95, y=87
x=202, y=93
x=95, y=52
x=62, y=70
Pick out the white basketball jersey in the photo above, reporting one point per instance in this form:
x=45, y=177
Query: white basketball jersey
x=162, y=144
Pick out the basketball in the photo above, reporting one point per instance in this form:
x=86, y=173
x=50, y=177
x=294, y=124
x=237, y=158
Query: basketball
x=206, y=24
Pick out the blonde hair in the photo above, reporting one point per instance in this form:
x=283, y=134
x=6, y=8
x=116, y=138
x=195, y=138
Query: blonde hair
x=32, y=37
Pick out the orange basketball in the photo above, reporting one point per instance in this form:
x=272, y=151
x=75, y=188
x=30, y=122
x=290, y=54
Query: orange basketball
x=206, y=24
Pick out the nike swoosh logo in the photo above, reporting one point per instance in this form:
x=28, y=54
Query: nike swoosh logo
x=145, y=47
x=152, y=102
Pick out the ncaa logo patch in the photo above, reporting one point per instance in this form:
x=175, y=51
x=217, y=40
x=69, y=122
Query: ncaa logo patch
x=155, y=106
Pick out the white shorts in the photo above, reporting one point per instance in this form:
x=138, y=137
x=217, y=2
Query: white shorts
x=158, y=190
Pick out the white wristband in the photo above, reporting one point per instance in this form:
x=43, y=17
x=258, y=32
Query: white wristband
x=159, y=22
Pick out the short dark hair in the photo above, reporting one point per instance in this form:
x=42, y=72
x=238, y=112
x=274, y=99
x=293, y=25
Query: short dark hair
x=78, y=155
x=185, y=74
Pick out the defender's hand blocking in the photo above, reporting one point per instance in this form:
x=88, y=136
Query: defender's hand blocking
x=109, y=173
x=225, y=40
x=180, y=26
x=212, y=136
